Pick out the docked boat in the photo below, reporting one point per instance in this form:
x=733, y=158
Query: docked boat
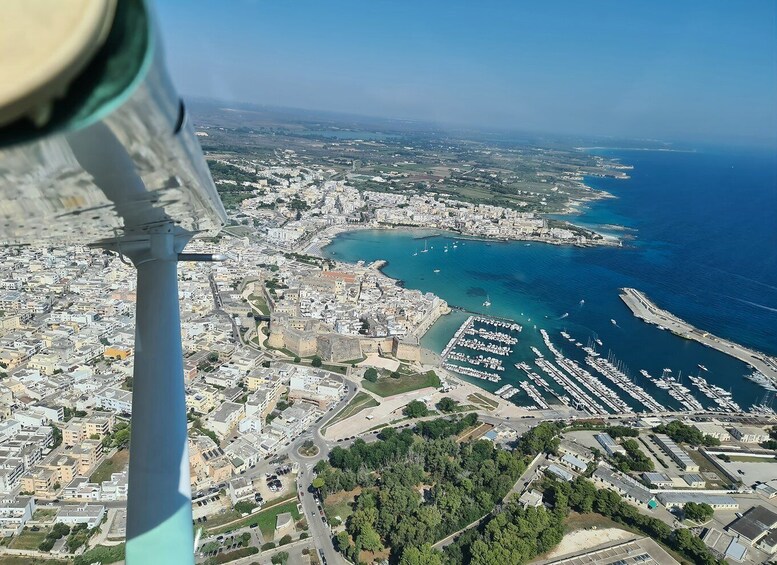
x=761, y=380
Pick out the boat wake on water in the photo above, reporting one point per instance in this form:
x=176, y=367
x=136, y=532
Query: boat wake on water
x=755, y=304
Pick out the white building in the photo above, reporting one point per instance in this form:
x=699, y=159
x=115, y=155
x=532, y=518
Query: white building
x=749, y=434
x=14, y=514
x=114, y=399
x=89, y=514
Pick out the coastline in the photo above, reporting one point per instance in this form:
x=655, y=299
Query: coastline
x=645, y=309
x=327, y=235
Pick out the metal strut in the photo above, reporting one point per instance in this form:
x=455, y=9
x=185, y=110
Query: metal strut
x=159, y=508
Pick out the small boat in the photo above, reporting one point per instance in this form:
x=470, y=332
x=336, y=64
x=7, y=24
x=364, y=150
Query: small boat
x=425, y=249
x=702, y=367
x=437, y=270
x=416, y=253
x=614, y=323
x=487, y=302
x=582, y=302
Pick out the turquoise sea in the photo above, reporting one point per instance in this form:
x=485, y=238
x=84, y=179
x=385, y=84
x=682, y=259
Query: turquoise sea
x=703, y=245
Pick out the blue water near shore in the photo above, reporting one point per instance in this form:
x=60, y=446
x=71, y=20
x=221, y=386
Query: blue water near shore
x=704, y=227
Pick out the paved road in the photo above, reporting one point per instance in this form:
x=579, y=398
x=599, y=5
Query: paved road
x=320, y=532
x=219, y=304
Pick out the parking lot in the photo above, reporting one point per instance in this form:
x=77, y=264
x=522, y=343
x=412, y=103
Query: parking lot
x=275, y=483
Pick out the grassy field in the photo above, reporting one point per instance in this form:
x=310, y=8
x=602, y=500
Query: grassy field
x=335, y=369
x=483, y=401
x=389, y=386
x=113, y=464
x=221, y=519
x=23, y=560
x=476, y=432
x=28, y=539
x=43, y=514
x=258, y=302
x=746, y=459
x=340, y=504
x=358, y=403
x=265, y=518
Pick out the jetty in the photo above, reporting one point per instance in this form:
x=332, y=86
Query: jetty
x=643, y=308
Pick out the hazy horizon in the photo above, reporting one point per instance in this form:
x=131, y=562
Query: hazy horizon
x=686, y=71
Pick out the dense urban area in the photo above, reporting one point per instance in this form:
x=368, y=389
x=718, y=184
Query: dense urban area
x=320, y=430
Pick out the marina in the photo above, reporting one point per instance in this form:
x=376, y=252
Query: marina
x=715, y=393
x=761, y=380
x=491, y=337
x=470, y=372
x=620, y=379
x=678, y=391
x=532, y=392
x=542, y=383
x=643, y=308
x=482, y=344
x=584, y=401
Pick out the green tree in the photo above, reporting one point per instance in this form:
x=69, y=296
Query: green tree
x=369, y=539
x=316, y=361
x=342, y=541
x=423, y=555
x=280, y=558
x=121, y=438
x=57, y=433
x=244, y=506
x=371, y=374
x=46, y=544
x=447, y=404
x=698, y=512
x=415, y=409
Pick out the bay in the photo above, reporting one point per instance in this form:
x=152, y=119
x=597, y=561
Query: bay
x=704, y=229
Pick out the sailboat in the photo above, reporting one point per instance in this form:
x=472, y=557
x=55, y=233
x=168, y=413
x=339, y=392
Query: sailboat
x=488, y=301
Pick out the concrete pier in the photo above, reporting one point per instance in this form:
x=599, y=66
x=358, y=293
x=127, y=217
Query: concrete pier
x=643, y=308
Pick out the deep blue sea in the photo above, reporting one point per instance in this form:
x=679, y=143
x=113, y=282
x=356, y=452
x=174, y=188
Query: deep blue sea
x=703, y=229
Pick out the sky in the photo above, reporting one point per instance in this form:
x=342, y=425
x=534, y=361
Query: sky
x=703, y=70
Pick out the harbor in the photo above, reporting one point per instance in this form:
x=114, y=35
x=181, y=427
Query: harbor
x=612, y=370
x=641, y=306
x=486, y=349
x=492, y=338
